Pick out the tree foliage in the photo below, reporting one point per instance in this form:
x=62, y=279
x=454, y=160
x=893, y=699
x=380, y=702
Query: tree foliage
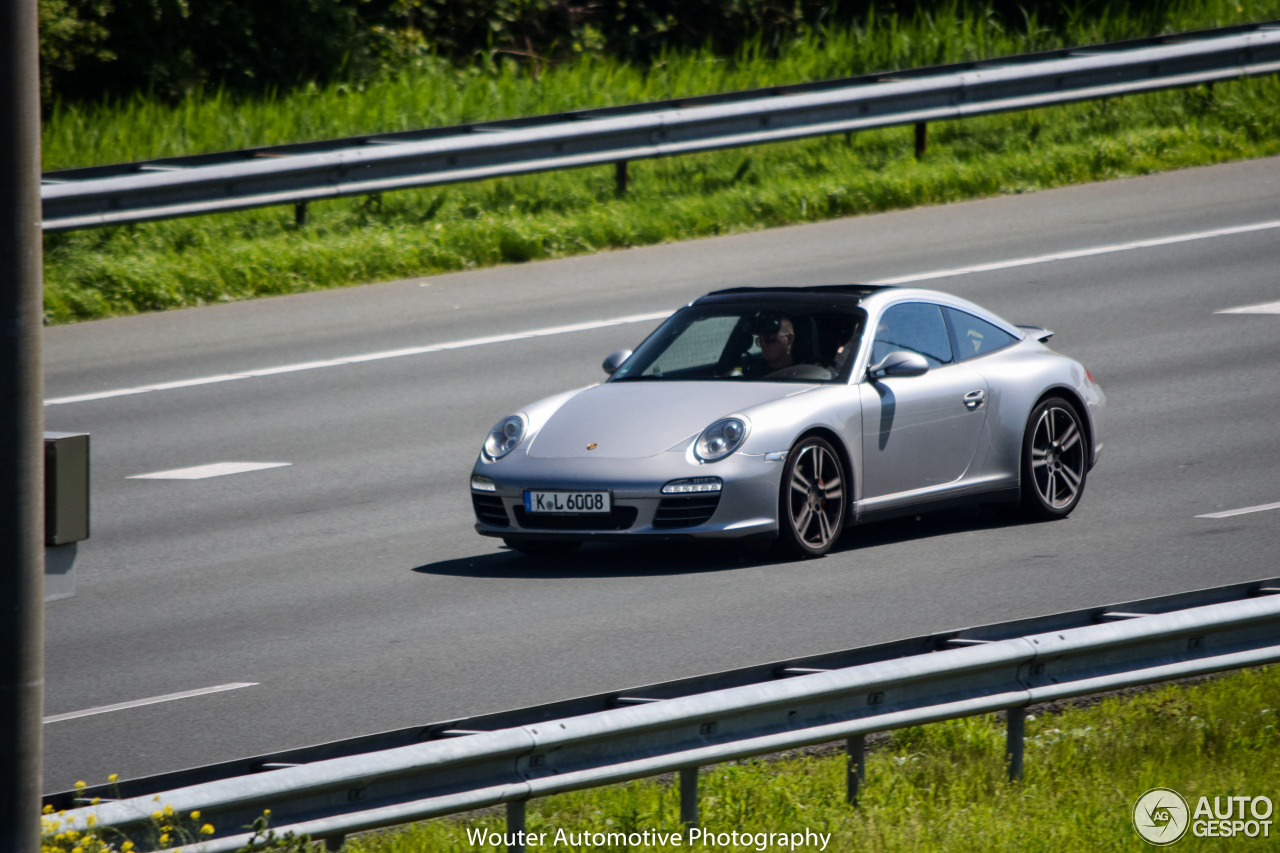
x=96, y=49
x=72, y=35
x=168, y=47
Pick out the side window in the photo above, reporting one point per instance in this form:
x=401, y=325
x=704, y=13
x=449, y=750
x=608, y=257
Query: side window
x=913, y=327
x=977, y=337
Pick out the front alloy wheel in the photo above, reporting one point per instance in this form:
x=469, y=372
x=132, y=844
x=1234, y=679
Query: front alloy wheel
x=1055, y=460
x=813, y=502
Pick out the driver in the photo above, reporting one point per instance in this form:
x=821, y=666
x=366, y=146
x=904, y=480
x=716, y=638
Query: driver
x=779, y=358
x=775, y=335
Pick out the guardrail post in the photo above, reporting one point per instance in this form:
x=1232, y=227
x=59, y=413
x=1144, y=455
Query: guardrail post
x=515, y=826
x=300, y=214
x=922, y=139
x=620, y=177
x=856, y=768
x=334, y=843
x=689, y=797
x=1014, y=741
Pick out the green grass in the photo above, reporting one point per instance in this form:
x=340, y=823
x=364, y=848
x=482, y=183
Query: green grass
x=202, y=260
x=942, y=787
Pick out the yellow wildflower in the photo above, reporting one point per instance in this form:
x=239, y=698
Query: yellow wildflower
x=127, y=847
x=113, y=777
x=164, y=840
x=168, y=810
x=48, y=809
x=157, y=816
x=81, y=785
x=207, y=829
x=195, y=815
x=92, y=819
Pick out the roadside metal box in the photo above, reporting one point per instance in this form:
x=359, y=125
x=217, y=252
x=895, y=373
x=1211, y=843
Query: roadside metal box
x=66, y=487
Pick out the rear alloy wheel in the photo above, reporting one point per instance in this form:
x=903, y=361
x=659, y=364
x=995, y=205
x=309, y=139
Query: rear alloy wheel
x=813, y=499
x=1055, y=460
x=541, y=547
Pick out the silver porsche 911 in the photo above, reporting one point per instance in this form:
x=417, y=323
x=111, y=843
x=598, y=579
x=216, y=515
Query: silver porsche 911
x=786, y=414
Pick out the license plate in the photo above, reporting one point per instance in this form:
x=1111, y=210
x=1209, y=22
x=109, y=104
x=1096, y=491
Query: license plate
x=567, y=502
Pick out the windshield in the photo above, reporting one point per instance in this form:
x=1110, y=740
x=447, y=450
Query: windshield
x=810, y=342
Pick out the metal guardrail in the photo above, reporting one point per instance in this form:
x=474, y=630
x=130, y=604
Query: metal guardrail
x=298, y=174
x=577, y=706
x=467, y=769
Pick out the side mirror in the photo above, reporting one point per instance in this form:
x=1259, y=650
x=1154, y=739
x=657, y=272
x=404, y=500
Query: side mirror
x=899, y=363
x=615, y=360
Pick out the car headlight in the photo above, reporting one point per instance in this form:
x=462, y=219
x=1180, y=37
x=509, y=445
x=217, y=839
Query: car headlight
x=504, y=437
x=720, y=439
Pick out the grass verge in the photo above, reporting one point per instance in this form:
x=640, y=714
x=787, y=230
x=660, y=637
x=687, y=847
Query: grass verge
x=202, y=260
x=942, y=786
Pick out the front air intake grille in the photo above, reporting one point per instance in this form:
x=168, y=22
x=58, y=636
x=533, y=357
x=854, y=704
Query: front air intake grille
x=621, y=518
x=685, y=511
x=489, y=510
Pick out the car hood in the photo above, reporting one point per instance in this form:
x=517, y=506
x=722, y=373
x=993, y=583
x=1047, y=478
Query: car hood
x=634, y=420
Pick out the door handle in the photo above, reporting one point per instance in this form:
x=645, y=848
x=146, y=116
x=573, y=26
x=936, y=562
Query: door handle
x=974, y=399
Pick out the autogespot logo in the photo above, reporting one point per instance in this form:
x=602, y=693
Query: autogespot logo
x=1161, y=816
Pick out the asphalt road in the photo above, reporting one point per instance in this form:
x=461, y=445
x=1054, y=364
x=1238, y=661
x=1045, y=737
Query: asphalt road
x=348, y=588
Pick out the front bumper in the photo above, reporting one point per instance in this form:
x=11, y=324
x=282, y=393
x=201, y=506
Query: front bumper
x=747, y=504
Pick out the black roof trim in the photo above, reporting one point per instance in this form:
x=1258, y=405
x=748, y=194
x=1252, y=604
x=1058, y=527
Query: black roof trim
x=857, y=291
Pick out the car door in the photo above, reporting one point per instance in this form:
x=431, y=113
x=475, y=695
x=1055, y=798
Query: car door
x=919, y=432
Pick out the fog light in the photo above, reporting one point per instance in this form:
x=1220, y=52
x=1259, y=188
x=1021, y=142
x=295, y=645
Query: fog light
x=482, y=484
x=693, y=486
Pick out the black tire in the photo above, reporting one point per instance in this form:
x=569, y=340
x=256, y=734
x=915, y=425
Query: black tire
x=541, y=547
x=813, y=499
x=1055, y=461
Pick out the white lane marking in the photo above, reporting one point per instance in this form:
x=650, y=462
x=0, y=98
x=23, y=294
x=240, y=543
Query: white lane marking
x=1082, y=253
x=359, y=359
x=201, y=472
x=1230, y=512
x=640, y=318
x=155, y=700
x=1265, y=308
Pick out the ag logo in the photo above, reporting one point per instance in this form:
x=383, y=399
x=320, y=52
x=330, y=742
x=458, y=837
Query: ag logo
x=1161, y=816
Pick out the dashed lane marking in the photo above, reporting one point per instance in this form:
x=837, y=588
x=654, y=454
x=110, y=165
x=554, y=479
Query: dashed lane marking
x=201, y=472
x=154, y=700
x=1264, y=308
x=1243, y=511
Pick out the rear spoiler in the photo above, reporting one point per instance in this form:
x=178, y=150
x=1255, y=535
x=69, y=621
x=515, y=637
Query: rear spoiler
x=1038, y=332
